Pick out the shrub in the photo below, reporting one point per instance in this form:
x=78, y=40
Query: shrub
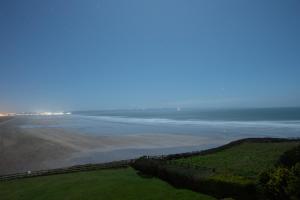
x=290, y=158
x=281, y=183
x=181, y=176
x=293, y=188
x=274, y=183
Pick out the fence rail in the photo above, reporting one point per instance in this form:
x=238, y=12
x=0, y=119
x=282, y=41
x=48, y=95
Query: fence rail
x=75, y=168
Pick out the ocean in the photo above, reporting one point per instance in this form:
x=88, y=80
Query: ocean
x=251, y=122
x=229, y=124
x=103, y=136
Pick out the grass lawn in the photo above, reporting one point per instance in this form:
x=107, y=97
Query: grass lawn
x=246, y=160
x=114, y=184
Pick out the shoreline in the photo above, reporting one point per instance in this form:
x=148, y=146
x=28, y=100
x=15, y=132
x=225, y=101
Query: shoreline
x=128, y=162
x=30, y=149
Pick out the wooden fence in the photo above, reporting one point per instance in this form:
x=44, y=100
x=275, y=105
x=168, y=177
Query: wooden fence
x=76, y=168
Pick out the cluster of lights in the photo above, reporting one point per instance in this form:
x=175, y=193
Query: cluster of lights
x=7, y=114
x=4, y=114
x=45, y=113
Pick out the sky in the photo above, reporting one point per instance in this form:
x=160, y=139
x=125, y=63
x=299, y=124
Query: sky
x=115, y=54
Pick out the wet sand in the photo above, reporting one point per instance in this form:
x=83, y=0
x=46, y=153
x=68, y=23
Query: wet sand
x=24, y=149
x=22, y=152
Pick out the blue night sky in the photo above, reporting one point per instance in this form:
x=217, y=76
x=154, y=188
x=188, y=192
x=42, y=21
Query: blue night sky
x=109, y=54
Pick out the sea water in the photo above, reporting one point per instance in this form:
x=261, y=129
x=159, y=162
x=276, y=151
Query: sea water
x=215, y=124
x=239, y=123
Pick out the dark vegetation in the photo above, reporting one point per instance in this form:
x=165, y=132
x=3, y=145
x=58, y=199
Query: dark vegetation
x=228, y=171
x=283, y=182
x=196, y=179
x=290, y=157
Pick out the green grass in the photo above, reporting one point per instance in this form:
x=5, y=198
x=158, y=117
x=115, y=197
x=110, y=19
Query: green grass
x=245, y=161
x=240, y=164
x=114, y=184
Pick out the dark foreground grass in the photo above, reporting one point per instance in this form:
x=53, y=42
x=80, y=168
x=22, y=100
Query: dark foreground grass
x=112, y=184
x=244, y=161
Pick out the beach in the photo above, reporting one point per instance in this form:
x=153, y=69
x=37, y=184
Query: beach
x=30, y=143
x=36, y=148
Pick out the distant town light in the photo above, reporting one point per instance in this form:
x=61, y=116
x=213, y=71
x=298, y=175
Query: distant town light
x=3, y=114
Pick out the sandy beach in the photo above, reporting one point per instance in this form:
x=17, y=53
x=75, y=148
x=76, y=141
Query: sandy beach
x=27, y=149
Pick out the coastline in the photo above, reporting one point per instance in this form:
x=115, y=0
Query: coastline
x=129, y=162
x=39, y=143
x=31, y=149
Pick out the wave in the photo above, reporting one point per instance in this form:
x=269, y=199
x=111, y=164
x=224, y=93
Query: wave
x=259, y=124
